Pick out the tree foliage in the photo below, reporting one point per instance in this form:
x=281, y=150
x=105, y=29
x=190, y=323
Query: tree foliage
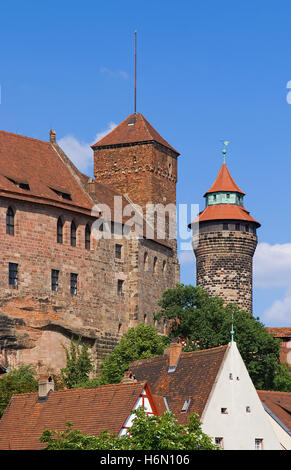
x=205, y=322
x=147, y=433
x=21, y=380
x=78, y=366
x=138, y=343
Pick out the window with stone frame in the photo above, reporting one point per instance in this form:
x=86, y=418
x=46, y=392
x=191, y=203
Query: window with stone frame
x=118, y=251
x=55, y=280
x=88, y=237
x=13, y=275
x=74, y=283
x=73, y=234
x=120, y=284
x=10, y=221
x=60, y=227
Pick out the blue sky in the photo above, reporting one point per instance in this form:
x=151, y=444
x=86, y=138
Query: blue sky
x=206, y=71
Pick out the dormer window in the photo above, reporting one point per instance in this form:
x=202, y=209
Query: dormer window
x=20, y=184
x=62, y=194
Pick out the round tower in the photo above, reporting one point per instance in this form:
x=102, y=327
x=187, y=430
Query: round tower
x=226, y=244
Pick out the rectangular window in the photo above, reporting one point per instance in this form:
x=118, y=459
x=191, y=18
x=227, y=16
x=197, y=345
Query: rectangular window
x=118, y=251
x=237, y=226
x=120, y=283
x=225, y=226
x=224, y=411
x=13, y=275
x=55, y=280
x=219, y=442
x=74, y=283
x=258, y=444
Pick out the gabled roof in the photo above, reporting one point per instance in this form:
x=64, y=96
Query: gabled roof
x=90, y=410
x=134, y=129
x=193, y=378
x=224, y=182
x=225, y=212
x=279, y=403
x=34, y=170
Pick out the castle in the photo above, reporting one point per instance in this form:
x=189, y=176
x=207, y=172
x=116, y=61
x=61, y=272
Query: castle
x=72, y=264
x=58, y=279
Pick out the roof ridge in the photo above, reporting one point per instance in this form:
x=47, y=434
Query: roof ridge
x=25, y=137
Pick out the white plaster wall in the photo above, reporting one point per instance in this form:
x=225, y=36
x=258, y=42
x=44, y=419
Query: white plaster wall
x=282, y=435
x=238, y=428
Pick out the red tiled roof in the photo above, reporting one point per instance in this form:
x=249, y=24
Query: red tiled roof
x=90, y=410
x=134, y=129
x=280, y=332
x=278, y=403
x=43, y=168
x=193, y=378
x=224, y=182
x=225, y=212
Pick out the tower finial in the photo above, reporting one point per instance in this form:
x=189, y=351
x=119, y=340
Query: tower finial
x=135, y=72
x=225, y=143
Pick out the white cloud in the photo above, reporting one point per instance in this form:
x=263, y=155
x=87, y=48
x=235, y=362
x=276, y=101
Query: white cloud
x=272, y=265
x=280, y=311
x=80, y=152
x=114, y=73
x=272, y=269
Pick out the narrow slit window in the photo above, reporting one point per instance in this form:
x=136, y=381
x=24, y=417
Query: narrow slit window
x=88, y=237
x=60, y=226
x=13, y=275
x=118, y=251
x=55, y=280
x=10, y=221
x=74, y=283
x=120, y=283
x=73, y=234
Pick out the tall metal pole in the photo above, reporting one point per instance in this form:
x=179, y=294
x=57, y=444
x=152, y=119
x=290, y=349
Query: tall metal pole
x=135, y=72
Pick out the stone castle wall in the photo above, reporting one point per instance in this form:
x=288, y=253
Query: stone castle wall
x=34, y=320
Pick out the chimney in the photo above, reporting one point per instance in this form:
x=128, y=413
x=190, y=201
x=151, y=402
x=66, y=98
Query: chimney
x=128, y=377
x=175, y=352
x=45, y=385
x=52, y=136
x=91, y=185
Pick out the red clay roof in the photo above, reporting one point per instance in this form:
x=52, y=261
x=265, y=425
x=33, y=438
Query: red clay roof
x=90, y=410
x=225, y=212
x=134, y=129
x=284, y=332
x=194, y=378
x=278, y=403
x=224, y=182
x=40, y=165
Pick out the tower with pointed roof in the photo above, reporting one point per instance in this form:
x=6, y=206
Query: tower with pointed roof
x=137, y=162
x=227, y=242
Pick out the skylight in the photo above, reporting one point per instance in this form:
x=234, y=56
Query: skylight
x=20, y=184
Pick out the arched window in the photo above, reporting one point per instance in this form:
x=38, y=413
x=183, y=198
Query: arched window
x=10, y=221
x=60, y=226
x=146, y=262
x=88, y=237
x=164, y=266
x=155, y=266
x=73, y=234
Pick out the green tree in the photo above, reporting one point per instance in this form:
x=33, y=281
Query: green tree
x=205, y=322
x=21, y=380
x=138, y=343
x=78, y=366
x=147, y=433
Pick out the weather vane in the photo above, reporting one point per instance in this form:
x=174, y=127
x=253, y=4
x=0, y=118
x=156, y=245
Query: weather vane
x=225, y=143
